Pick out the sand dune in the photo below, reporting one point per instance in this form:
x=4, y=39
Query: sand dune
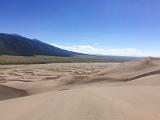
x=86, y=103
x=34, y=78
x=128, y=71
x=8, y=92
x=81, y=91
x=149, y=80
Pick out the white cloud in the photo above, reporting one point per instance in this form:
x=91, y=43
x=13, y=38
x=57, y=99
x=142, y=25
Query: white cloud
x=88, y=49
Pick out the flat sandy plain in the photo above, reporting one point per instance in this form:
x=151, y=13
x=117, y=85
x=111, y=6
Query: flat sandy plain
x=81, y=91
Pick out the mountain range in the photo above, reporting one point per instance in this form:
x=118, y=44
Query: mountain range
x=14, y=44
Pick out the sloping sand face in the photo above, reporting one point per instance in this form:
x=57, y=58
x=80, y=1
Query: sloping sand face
x=95, y=91
x=8, y=92
x=86, y=103
x=128, y=71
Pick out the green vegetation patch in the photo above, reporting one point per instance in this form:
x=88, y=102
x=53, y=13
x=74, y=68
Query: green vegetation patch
x=50, y=59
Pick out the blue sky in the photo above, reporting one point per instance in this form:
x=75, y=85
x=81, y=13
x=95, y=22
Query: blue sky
x=111, y=27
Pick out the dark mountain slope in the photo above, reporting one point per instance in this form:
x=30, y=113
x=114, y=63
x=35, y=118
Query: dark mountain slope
x=13, y=44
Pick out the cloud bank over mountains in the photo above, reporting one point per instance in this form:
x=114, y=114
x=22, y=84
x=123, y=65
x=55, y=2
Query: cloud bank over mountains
x=88, y=49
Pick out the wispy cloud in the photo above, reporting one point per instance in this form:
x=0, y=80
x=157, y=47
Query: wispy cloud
x=88, y=49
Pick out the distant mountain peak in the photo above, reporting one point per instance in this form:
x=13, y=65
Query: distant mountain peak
x=11, y=34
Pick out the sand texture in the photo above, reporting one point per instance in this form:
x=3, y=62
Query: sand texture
x=81, y=91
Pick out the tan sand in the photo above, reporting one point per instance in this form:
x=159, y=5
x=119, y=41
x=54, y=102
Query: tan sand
x=8, y=92
x=82, y=91
x=86, y=103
